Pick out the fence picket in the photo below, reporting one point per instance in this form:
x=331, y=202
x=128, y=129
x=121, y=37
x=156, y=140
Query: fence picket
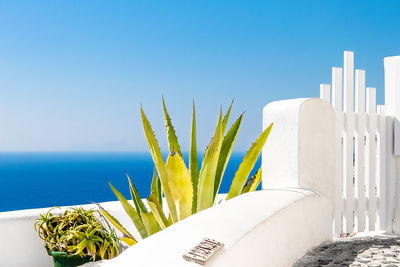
x=348, y=96
x=337, y=79
x=371, y=109
x=382, y=168
x=360, y=149
x=325, y=92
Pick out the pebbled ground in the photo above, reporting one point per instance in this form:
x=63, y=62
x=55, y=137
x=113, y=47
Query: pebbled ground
x=365, y=251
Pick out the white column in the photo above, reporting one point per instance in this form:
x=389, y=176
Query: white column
x=300, y=151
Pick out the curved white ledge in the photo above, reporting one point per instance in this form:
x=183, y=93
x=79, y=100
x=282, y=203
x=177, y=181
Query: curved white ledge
x=264, y=228
x=21, y=246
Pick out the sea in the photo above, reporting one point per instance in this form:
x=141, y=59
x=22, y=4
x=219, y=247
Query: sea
x=41, y=179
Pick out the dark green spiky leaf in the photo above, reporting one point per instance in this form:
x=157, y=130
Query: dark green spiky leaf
x=139, y=205
x=247, y=164
x=193, y=162
x=132, y=213
x=205, y=193
x=156, y=188
x=226, y=151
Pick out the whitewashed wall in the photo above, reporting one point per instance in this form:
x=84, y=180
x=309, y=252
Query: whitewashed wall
x=256, y=228
x=272, y=227
x=20, y=245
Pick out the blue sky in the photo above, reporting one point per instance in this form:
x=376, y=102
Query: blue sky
x=74, y=73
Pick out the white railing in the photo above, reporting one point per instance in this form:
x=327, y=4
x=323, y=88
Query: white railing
x=365, y=180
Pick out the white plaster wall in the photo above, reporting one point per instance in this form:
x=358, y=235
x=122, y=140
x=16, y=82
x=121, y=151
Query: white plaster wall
x=271, y=227
x=18, y=236
x=20, y=245
x=262, y=228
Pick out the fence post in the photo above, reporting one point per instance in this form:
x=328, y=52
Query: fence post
x=392, y=109
x=300, y=151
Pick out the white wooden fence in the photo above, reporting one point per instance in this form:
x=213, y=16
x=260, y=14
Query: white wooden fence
x=365, y=184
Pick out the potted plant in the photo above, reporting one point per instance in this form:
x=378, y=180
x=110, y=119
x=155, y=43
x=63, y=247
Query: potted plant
x=76, y=236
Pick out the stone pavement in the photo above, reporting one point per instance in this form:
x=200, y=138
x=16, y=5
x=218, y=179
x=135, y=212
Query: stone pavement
x=361, y=251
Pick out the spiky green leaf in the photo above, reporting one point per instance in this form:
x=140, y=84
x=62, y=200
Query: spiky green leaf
x=157, y=211
x=171, y=135
x=193, y=162
x=118, y=225
x=159, y=164
x=252, y=183
x=137, y=200
x=247, y=164
x=132, y=213
x=129, y=241
x=205, y=193
x=181, y=185
x=226, y=118
x=150, y=223
x=226, y=151
x=156, y=188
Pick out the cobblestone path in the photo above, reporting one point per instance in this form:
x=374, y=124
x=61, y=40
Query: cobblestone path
x=366, y=251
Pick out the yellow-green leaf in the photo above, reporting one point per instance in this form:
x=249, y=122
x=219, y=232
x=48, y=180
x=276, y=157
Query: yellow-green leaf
x=205, y=193
x=256, y=181
x=156, y=188
x=157, y=211
x=171, y=135
x=116, y=223
x=150, y=223
x=193, y=162
x=159, y=164
x=226, y=118
x=132, y=213
x=247, y=164
x=252, y=183
x=180, y=183
x=226, y=151
x=137, y=200
x=129, y=241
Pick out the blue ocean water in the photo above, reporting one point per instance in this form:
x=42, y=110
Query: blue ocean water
x=35, y=180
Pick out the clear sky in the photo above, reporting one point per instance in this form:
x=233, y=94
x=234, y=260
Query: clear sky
x=74, y=73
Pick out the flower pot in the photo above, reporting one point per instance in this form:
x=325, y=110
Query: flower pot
x=63, y=259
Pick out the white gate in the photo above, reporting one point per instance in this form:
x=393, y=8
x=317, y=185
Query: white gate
x=365, y=185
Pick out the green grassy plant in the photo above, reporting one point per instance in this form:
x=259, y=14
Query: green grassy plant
x=77, y=231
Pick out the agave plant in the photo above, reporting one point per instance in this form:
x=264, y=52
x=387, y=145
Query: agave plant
x=77, y=232
x=186, y=189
